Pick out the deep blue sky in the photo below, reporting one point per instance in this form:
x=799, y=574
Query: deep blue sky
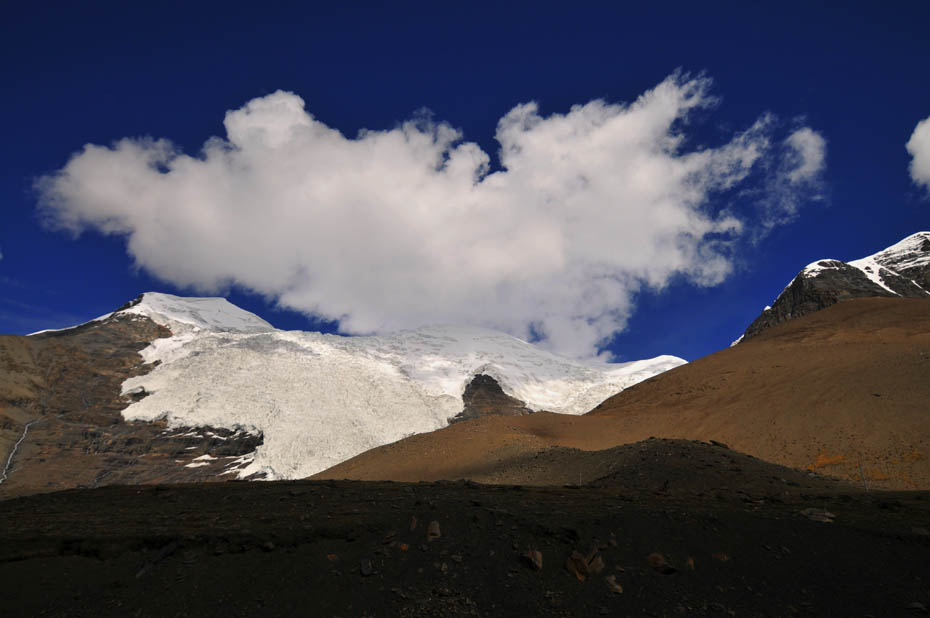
x=75, y=73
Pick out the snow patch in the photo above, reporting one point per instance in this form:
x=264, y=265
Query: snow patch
x=905, y=254
x=236, y=466
x=814, y=268
x=872, y=269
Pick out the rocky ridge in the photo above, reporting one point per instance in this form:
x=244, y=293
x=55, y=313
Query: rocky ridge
x=902, y=270
x=484, y=396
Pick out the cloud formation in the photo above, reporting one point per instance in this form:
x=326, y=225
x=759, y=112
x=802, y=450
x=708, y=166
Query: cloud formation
x=807, y=159
x=797, y=178
x=919, y=148
x=408, y=226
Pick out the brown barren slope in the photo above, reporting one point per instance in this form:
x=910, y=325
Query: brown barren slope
x=61, y=423
x=20, y=382
x=838, y=391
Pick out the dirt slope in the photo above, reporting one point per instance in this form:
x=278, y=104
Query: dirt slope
x=843, y=389
x=20, y=382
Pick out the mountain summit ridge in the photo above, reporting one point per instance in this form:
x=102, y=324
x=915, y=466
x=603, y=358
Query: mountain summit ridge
x=901, y=270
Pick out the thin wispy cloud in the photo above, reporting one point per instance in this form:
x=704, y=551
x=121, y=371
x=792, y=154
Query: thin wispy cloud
x=797, y=178
x=919, y=148
x=398, y=228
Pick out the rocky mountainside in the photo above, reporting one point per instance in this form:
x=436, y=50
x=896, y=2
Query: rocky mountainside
x=902, y=270
x=171, y=389
x=60, y=414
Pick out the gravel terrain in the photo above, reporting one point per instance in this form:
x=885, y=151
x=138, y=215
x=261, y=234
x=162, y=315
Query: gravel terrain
x=681, y=541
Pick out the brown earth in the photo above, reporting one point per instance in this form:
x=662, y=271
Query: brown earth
x=60, y=408
x=676, y=532
x=844, y=391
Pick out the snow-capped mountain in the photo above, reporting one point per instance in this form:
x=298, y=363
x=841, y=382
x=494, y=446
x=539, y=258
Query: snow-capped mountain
x=902, y=269
x=320, y=399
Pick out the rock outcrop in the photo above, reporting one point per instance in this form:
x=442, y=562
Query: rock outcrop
x=483, y=396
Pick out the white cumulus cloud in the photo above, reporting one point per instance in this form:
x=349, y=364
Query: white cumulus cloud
x=809, y=151
x=919, y=148
x=403, y=227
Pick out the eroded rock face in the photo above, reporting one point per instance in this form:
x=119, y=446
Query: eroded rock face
x=484, y=396
x=807, y=294
x=60, y=408
x=902, y=270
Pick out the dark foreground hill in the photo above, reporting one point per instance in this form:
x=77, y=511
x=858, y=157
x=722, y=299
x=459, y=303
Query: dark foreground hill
x=682, y=534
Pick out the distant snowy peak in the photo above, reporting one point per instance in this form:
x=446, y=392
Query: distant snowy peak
x=204, y=313
x=897, y=269
x=902, y=269
x=185, y=313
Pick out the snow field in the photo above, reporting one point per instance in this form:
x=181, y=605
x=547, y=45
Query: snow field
x=321, y=399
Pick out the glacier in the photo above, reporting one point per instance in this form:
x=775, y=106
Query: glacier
x=320, y=399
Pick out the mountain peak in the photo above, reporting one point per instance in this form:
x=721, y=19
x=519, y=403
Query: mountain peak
x=205, y=313
x=903, y=270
